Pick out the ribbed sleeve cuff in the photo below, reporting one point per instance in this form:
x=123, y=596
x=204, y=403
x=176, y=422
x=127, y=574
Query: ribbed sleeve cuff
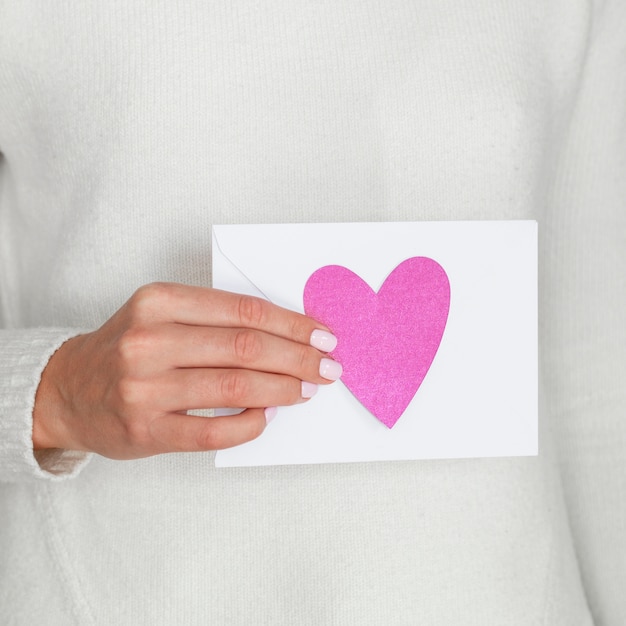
x=24, y=354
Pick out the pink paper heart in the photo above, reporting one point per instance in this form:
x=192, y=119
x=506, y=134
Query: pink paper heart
x=387, y=340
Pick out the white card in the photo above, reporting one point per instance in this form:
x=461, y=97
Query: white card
x=479, y=396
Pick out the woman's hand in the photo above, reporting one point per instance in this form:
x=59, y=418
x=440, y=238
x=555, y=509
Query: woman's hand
x=123, y=390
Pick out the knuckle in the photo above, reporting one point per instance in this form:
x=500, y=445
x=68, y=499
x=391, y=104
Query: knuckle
x=127, y=398
x=250, y=311
x=134, y=345
x=208, y=437
x=303, y=358
x=149, y=299
x=299, y=329
x=130, y=403
x=130, y=393
x=234, y=387
x=247, y=346
x=136, y=432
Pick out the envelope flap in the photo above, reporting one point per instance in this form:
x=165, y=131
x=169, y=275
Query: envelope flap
x=277, y=259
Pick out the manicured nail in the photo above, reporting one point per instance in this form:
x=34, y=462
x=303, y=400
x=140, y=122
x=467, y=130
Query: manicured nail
x=330, y=370
x=323, y=340
x=308, y=389
x=270, y=413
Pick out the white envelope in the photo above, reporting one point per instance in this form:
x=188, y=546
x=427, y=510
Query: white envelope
x=480, y=396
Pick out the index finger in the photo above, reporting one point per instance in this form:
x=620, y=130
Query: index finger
x=200, y=306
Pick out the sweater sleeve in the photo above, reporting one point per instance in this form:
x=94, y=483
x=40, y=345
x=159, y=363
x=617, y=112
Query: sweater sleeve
x=585, y=315
x=23, y=357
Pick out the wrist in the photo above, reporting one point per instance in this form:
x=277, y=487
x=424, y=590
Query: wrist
x=49, y=408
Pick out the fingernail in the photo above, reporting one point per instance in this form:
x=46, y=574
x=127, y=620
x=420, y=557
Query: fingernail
x=323, y=340
x=308, y=389
x=330, y=370
x=270, y=413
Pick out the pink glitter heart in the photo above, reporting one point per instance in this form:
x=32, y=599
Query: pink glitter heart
x=387, y=340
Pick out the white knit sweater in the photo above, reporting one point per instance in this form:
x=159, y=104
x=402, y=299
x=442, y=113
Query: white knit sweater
x=128, y=128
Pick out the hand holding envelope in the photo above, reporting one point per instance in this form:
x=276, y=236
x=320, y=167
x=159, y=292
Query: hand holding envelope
x=477, y=381
x=124, y=390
